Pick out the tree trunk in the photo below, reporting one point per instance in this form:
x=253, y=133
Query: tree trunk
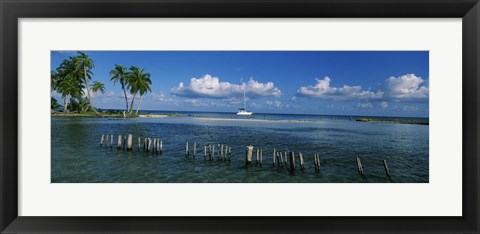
x=90, y=103
x=131, y=104
x=140, y=103
x=65, y=105
x=125, y=94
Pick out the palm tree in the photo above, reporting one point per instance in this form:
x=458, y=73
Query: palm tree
x=80, y=104
x=69, y=87
x=119, y=74
x=54, y=103
x=135, y=79
x=83, y=65
x=65, y=82
x=143, y=87
x=53, y=81
x=97, y=86
x=53, y=87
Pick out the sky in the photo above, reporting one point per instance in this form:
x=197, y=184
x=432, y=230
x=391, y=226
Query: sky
x=367, y=83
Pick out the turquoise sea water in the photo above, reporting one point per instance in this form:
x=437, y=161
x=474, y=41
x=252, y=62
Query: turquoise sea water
x=78, y=158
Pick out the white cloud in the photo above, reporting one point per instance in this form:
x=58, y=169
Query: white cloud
x=160, y=98
x=129, y=95
x=211, y=87
x=276, y=104
x=255, y=105
x=383, y=105
x=409, y=108
x=202, y=103
x=107, y=94
x=367, y=105
x=322, y=89
x=233, y=101
x=194, y=102
x=407, y=86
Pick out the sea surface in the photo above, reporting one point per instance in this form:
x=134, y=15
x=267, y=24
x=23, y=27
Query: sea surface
x=77, y=156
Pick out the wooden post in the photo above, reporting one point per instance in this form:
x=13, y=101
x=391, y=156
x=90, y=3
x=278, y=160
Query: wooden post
x=139, y=144
x=158, y=145
x=218, y=152
x=281, y=159
x=161, y=147
x=249, y=155
x=186, y=151
x=274, y=156
x=145, y=144
x=155, y=145
x=129, y=142
x=221, y=153
x=149, y=146
x=359, y=166
x=119, y=143
x=213, y=152
x=111, y=141
x=205, y=152
x=258, y=156
x=124, y=142
x=101, y=141
x=225, y=156
x=261, y=157
x=229, y=153
x=225, y=153
x=315, y=162
x=292, y=161
x=194, y=150
x=318, y=161
x=386, y=167
x=106, y=141
x=209, y=152
x=300, y=158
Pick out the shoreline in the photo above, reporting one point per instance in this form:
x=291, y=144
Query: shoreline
x=111, y=115
x=252, y=119
x=153, y=116
x=393, y=121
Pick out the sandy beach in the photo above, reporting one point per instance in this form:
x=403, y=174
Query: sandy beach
x=152, y=116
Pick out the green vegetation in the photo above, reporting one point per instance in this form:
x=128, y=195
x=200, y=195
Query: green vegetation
x=138, y=81
x=119, y=74
x=72, y=79
x=54, y=103
x=398, y=121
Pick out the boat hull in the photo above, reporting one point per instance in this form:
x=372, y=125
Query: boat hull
x=244, y=113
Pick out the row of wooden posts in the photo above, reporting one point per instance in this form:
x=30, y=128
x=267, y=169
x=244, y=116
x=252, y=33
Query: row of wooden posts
x=224, y=153
x=280, y=160
x=126, y=143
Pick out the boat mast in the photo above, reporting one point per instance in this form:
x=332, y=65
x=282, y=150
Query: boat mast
x=244, y=100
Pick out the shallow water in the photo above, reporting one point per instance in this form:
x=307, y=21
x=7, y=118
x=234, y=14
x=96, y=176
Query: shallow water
x=78, y=158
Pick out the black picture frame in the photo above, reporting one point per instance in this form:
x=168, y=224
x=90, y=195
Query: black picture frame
x=11, y=11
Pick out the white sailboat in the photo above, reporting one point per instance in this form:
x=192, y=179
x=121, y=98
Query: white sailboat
x=243, y=111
